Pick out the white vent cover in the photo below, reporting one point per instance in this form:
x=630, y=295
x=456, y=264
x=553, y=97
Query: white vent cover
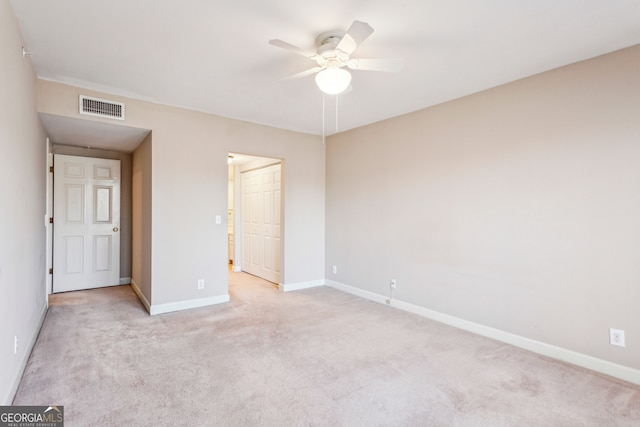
x=101, y=108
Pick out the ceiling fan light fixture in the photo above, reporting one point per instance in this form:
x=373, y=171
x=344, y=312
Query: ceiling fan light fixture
x=333, y=81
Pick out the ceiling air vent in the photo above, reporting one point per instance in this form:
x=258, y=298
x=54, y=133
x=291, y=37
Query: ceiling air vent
x=101, y=108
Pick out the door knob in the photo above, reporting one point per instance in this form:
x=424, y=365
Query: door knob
x=115, y=229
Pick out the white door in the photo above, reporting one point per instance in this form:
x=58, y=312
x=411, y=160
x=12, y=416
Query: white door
x=86, y=223
x=261, y=192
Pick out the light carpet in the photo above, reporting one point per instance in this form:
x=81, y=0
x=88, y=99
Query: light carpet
x=317, y=357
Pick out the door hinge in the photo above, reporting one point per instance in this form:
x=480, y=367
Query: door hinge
x=51, y=169
x=51, y=220
x=51, y=271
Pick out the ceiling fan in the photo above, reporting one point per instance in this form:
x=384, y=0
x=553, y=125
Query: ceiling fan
x=333, y=53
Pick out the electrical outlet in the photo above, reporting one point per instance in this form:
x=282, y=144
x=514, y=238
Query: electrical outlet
x=393, y=284
x=616, y=337
x=200, y=283
x=15, y=344
x=335, y=269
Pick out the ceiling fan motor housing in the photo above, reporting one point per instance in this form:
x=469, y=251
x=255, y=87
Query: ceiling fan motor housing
x=328, y=40
x=326, y=49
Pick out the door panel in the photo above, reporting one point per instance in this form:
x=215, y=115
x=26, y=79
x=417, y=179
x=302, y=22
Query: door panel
x=261, y=194
x=74, y=250
x=101, y=253
x=74, y=203
x=86, y=222
x=102, y=204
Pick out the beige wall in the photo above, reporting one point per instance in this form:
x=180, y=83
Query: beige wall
x=189, y=186
x=22, y=207
x=516, y=208
x=142, y=218
x=58, y=147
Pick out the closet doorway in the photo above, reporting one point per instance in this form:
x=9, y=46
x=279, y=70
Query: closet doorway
x=255, y=217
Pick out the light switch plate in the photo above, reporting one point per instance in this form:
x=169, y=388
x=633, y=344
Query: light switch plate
x=616, y=337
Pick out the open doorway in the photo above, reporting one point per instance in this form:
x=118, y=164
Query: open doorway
x=89, y=139
x=118, y=257
x=255, y=216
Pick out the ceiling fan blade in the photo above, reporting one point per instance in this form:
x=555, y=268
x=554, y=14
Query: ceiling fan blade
x=291, y=48
x=304, y=73
x=389, y=65
x=356, y=34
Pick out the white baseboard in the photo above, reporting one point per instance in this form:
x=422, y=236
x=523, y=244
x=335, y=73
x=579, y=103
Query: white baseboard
x=140, y=295
x=301, y=285
x=356, y=291
x=184, y=305
x=593, y=363
x=177, y=306
x=25, y=359
x=125, y=280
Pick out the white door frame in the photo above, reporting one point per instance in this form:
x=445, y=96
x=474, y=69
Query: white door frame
x=237, y=220
x=47, y=224
x=237, y=210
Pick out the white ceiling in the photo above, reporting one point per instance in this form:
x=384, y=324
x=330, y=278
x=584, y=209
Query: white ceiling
x=102, y=136
x=214, y=56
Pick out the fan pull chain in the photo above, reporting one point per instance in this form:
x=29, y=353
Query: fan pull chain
x=323, y=140
x=336, y=113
